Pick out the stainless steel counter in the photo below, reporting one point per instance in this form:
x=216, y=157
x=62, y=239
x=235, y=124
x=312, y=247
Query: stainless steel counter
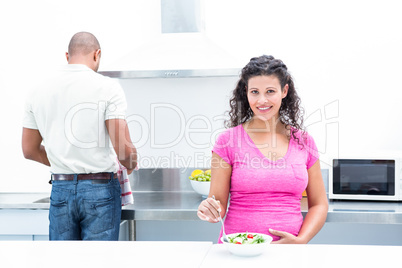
x=365, y=212
x=24, y=200
x=175, y=205
x=166, y=194
x=163, y=206
x=183, y=206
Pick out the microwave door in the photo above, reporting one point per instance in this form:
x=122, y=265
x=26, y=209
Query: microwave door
x=354, y=177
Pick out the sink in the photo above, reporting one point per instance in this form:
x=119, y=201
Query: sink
x=43, y=200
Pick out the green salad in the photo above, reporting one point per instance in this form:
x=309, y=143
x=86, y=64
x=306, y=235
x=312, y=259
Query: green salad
x=246, y=238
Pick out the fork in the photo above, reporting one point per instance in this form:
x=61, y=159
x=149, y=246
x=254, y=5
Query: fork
x=225, y=238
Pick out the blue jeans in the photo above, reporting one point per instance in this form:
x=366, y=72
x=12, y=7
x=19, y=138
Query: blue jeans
x=85, y=210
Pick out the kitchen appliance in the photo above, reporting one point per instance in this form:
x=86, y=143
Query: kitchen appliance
x=366, y=179
x=177, y=47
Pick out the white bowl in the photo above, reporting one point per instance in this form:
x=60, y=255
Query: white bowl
x=248, y=250
x=201, y=187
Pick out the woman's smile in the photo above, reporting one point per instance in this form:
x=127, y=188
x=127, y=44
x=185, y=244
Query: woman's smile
x=264, y=109
x=265, y=96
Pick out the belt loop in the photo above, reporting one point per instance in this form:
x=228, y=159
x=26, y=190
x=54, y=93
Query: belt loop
x=75, y=178
x=111, y=176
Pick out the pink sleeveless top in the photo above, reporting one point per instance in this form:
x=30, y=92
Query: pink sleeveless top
x=263, y=193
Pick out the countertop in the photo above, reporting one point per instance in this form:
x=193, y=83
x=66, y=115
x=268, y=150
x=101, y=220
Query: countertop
x=308, y=256
x=68, y=254
x=183, y=206
x=45, y=254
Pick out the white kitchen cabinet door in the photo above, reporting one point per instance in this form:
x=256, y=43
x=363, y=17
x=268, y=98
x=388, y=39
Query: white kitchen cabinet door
x=24, y=224
x=33, y=224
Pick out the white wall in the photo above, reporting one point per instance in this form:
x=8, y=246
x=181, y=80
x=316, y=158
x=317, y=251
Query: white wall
x=344, y=55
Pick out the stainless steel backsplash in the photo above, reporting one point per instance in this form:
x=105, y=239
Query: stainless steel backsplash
x=173, y=179
x=161, y=179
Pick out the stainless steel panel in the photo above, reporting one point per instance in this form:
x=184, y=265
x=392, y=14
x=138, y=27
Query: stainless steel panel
x=163, y=206
x=43, y=200
x=166, y=194
x=181, y=16
x=161, y=179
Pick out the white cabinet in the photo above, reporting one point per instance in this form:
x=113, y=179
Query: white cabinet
x=177, y=231
x=24, y=224
x=359, y=234
x=33, y=224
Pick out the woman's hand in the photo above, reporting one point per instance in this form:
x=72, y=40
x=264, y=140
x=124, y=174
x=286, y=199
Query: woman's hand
x=285, y=238
x=209, y=210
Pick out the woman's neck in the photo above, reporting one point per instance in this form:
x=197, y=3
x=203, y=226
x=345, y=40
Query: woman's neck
x=273, y=125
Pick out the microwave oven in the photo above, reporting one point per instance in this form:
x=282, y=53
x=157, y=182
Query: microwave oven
x=366, y=179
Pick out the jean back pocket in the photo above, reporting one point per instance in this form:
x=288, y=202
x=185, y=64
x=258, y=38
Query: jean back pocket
x=59, y=216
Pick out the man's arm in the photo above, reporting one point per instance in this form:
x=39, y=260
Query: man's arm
x=121, y=141
x=32, y=148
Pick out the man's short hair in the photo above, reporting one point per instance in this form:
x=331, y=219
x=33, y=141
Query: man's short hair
x=83, y=43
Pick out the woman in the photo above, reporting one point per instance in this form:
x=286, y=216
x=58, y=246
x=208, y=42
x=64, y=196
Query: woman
x=265, y=160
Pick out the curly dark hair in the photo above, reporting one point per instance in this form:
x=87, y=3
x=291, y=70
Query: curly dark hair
x=290, y=112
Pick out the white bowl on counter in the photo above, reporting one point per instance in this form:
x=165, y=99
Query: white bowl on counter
x=248, y=250
x=201, y=187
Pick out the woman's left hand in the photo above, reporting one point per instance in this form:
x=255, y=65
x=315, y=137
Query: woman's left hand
x=285, y=238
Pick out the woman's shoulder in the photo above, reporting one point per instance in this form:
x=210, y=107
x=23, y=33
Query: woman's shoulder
x=232, y=131
x=229, y=135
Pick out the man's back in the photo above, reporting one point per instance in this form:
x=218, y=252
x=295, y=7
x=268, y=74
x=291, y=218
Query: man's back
x=76, y=113
x=70, y=110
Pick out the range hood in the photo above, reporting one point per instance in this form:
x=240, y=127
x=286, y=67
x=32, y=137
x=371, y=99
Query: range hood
x=180, y=49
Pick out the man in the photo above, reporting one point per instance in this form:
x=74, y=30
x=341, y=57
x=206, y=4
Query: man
x=77, y=113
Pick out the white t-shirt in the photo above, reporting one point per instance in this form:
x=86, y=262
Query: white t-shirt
x=70, y=110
